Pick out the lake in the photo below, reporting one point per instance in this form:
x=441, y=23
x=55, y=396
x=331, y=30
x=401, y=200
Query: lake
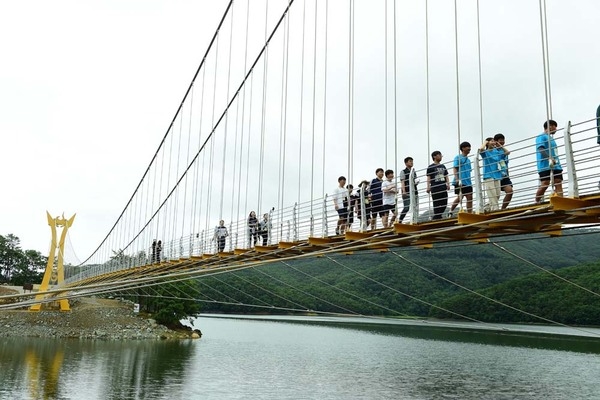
x=311, y=358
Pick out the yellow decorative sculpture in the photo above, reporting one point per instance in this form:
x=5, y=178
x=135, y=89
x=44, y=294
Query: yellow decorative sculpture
x=55, y=273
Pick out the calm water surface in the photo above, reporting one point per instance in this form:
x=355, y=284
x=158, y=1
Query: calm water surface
x=265, y=359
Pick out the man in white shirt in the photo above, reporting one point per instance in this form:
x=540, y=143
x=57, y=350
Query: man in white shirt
x=389, y=190
x=339, y=195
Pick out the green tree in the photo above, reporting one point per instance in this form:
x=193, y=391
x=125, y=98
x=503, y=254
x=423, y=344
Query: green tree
x=172, y=302
x=30, y=269
x=11, y=256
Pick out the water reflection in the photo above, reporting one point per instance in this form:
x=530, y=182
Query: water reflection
x=120, y=370
x=534, y=337
x=305, y=358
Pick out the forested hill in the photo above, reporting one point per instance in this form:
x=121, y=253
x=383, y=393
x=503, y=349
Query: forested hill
x=576, y=302
x=404, y=281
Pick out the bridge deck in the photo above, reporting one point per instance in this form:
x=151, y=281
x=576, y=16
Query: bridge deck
x=548, y=218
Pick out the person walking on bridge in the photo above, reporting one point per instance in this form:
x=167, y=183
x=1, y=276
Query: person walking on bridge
x=158, y=251
x=376, y=197
x=252, y=229
x=389, y=190
x=506, y=184
x=405, y=177
x=264, y=228
x=548, y=163
x=340, y=195
x=463, y=187
x=492, y=157
x=153, y=259
x=220, y=236
x=438, y=184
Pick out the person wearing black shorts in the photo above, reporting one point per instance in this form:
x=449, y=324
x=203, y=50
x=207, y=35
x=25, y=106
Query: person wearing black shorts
x=462, y=178
x=376, y=197
x=506, y=184
x=340, y=195
x=548, y=162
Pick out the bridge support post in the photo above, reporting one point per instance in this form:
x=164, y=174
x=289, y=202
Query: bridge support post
x=413, y=197
x=477, y=185
x=571, y=171
x=295, y=222
x=55, y=273
x=325, y=230
x=202, y=242
x=270, y=227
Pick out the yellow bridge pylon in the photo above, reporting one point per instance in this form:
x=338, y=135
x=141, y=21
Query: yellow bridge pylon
x=55, y=273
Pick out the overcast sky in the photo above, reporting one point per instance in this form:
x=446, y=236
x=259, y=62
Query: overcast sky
x=89, y=88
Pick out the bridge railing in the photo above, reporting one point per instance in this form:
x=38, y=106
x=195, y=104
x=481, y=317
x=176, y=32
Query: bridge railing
x=579, y=155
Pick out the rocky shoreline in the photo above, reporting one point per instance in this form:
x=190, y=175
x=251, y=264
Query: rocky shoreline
x=89, y=318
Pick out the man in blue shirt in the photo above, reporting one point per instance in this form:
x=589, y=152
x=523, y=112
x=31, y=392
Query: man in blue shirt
x=492, y=170
x=462, y=177
x=548, y=162
x=506, y=184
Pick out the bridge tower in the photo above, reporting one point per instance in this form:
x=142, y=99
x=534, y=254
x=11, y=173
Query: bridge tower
x=55, y=273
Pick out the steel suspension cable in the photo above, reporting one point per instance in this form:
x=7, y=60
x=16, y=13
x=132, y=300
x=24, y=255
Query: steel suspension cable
x=263, y=114
x=176, y=202
x=211, y=154
x=385, y=84
x=547, y=58
x=395, y=100
x=350, y=88
x=479, y=73
x=226, y=119
x=338, y=289
x=216, y=125
x=492, y=299
x=544, y=33
x=166, y=134
x=221, y=281
x=199, y=182
x=312, y=148
x=546, y=270
x=167, y=210
x=381, y=284
x=303, y=291
x=239, y=174
x=325, y=97
x=248, y=150
x=270, y=292
x=281, y=124
x=301, y=104
x=427, y=75
x=457, y=71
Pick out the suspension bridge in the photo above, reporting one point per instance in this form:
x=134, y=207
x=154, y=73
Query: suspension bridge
x=290, y=95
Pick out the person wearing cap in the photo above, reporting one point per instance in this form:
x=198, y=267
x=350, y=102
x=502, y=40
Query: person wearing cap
x=340, y=195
